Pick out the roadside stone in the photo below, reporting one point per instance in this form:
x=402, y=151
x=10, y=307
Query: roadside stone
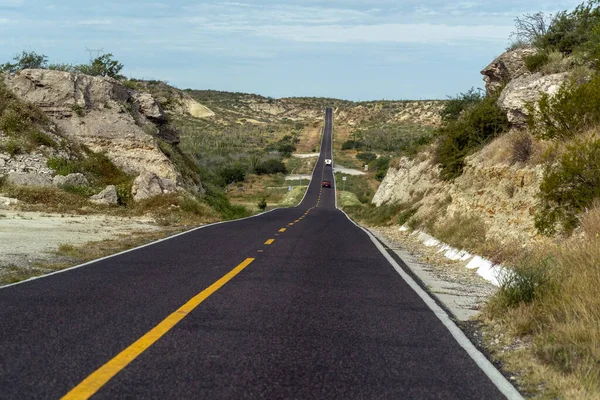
x=7, y=202
x=106, y=197
x=76, y=179
x=147, y=185
x=24, y=179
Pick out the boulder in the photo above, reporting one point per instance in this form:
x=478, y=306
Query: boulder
x=106, y=197
x=7, y=202
x=148, y=184
x=527, y=89
x=508, y=66
x=148, y=106
x=24, y=179
x=70, y=180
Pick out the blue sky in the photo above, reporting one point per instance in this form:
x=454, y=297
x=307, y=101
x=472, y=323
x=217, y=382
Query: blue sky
x=356, y=50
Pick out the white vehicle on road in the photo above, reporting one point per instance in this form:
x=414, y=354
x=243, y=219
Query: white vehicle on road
x=328, y=162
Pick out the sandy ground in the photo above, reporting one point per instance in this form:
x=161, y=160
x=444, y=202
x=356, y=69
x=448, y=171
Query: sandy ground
x=29, y=237
x=309, y=155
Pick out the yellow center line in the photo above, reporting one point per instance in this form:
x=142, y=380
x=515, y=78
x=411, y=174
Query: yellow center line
x=270, y=241
x=102, y=375
x=290, y=224
x=282, y=230
x=296, y=221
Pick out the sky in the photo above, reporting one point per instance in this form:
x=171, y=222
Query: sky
x=349, y=49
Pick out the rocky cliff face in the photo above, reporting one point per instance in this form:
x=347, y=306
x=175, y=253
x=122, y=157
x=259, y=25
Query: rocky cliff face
x=100, y=113
x=501, y=193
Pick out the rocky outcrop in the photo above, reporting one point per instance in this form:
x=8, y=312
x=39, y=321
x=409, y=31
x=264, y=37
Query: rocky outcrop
x=503, y=196
x=148, y=184
x=508, y=66
x=149, y=107
x=76, y=179
x=527, y=89
x=107, y=197
x=24, y=179
x=96, y=112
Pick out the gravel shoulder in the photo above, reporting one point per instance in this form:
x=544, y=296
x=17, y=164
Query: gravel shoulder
x=461, y=291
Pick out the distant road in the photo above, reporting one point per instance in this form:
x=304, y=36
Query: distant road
x=294, y=303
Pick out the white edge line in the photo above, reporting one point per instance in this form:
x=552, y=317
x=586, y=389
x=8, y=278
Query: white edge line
x=503, y=385
x=133, y=249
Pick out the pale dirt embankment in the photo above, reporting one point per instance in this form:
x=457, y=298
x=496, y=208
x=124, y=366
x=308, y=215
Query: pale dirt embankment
x=27, y=238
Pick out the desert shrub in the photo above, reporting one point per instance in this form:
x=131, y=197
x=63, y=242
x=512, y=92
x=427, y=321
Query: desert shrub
x=381, y=166
x=366, y=157
x=124, y=196
x=25, y=60
x=455, y=106
x=191, y=205
x=352, y=144
x=573, y=108
x=219, y=202
x=568, y=31
x=262, y=204
x=524, y=282
x=97, y=167
x=569, y=186
x=103, y=65
x=535, y=62
x=269, y=167
x=61, y=67
x=232, y=174
x=459, y=138
x=521, y=148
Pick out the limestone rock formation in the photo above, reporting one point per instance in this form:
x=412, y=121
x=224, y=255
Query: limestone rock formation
x=24, y=179
x=106, y=197
x=527, y=89
x=95, y=111
x=508, y=66
x=148, y=184
x=76, y=179
x=148, y=106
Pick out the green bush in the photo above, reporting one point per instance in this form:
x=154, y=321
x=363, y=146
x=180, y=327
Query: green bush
x=535, y=62
x=475, y=127
x=218, y=201
x=569, y=31
x=523, y=283
x=369, y=214
x=569, y=186
x=97, y=167
x=366, y=157
x=232, y=174
x=262, y=204
x=573, y=109
x=269, y=167
x=455, y=106
x=352, y=144
x=25, y=60
x=103, y=65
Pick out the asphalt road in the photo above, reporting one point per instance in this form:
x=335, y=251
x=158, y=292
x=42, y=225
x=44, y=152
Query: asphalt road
x=313, y=311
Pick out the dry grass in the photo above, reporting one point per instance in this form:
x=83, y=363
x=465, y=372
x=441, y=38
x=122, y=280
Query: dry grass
x=562, y=320
x=461, y=231
x=310, y=139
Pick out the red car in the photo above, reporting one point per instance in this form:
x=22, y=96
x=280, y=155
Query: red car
x=326, y=184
